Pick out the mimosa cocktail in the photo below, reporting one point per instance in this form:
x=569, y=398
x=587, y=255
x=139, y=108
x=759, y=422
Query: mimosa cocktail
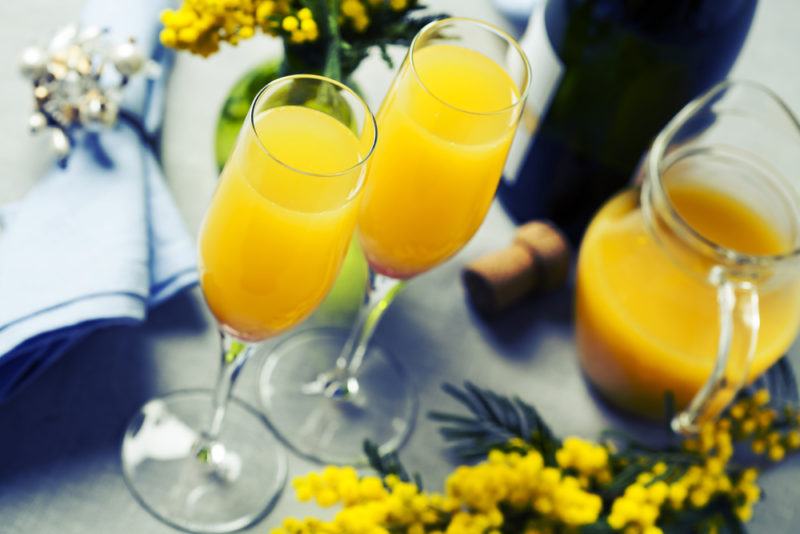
x=445, y=128
x=436, y=167
x=271, y=245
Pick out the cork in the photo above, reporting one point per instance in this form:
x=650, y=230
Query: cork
x=550, y=248
x=537, y=260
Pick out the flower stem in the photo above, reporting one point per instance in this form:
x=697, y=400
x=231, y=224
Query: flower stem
x=333, y=60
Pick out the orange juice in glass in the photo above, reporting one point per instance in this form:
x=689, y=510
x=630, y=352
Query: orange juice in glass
x=445, y=128
x=437, y=167
x=270, y=247
x=690, y=284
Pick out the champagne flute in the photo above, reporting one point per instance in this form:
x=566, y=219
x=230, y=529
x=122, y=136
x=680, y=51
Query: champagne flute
x=446, y=126
x=270, y=248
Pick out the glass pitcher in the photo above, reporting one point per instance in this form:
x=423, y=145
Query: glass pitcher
x=689, y=282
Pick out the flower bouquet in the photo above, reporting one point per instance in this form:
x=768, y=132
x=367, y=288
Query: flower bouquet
x=520, y=478
x=328, y=37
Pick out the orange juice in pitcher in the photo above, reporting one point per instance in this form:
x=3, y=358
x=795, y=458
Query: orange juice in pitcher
x=690, y=284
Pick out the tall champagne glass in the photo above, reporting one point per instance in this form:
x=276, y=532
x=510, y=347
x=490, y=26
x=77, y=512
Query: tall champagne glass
x=270, y=247
x=445, y=126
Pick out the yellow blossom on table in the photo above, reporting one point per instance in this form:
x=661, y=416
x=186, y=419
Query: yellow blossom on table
x=749, y=426
x=356, y=11
x=290, y=23
x=309, y=29
x=738, y=410
x=353, y=8
x=638, y=508
x=713, y=439
x=264, y=10
x=199, y=26
x=776, y=453
x=339, y=485
x=168, y=37
x=766, y=418
x=556, y=498
x=761, y=397
x=793, y=439
x=590, y=460
x=677, y=495
x=361, y=23
x=523, y=480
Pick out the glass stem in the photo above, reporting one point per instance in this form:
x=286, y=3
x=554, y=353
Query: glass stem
x=381, y=291
x=234, y=355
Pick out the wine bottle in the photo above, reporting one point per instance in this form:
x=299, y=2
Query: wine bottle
x=607, y=76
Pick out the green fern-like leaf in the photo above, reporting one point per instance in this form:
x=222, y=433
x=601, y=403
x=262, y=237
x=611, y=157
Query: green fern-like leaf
x=493, y=420
x=388, y=27
x=389, y=464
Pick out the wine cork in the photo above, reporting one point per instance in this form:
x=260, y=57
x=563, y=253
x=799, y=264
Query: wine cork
x=550, y=248
x=537, y=260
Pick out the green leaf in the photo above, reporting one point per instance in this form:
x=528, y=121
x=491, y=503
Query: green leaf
x=389, y=464
x=385, y=55
x=598, y=527
x=731, y=524
x=624, y=479
x=492, y=421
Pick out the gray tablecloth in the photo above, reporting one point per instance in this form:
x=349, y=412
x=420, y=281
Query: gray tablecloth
x=59, y=466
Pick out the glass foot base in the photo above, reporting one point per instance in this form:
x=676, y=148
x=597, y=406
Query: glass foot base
x=331, y=429
x=205, y=488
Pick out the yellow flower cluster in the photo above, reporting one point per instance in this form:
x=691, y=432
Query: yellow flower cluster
x=588, y=460
x=357, y=12
x=750, y=419
x=471, y=504
x=638, y=510
x=746, y=494
x=370, y=505
x=714, y=440
x=301, y=28
x=339, y=485
x=753, y=419
x=514, y=490
x=199, y=26
x=523, y=481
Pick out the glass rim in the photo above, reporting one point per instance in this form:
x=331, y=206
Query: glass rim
x=322, y=79
x=655, y=172
x=491, y=28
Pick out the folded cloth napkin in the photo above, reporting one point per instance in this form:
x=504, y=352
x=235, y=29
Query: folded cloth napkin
x=100, y=242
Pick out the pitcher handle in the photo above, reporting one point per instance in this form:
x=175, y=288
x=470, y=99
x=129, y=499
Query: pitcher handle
x=739, y=322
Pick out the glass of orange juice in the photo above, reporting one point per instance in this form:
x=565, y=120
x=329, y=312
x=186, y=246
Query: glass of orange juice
x=690, y=282
x=445, y=128
x=270, y=248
